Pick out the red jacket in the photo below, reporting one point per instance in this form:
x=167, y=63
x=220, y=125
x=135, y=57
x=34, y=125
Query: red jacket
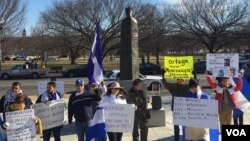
x=219, y=90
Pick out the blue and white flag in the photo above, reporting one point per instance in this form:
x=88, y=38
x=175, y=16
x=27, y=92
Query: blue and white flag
x=97, y=129
x=94, y=68
x=243, y=97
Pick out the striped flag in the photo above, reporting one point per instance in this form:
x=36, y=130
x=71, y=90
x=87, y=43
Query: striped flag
x=243, y=97
x=97, y=129
x=94, y=68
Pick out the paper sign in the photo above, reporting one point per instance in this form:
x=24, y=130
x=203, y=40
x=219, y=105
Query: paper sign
x=51, y=113
x=119, y=117
x=178, y=67
x=223, y=64
x=22, y=127
x=42, y=87
x=193, y=112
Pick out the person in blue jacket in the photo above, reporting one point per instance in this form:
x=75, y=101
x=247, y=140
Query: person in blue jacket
x=194, y=133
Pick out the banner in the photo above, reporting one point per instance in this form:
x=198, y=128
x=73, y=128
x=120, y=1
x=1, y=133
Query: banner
x=51, y=113
x=178, y=67
x=119, y=117
x=223, y=64
x=194, y=112
x=22, y=127
x=42, y=87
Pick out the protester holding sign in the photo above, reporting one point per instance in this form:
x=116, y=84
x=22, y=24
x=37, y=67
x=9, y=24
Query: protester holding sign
x=194, y=133
x=9, y=98
x=114, y=95
x=80, y=106
x=137, y=97
x=226, y=96
x=179, y=89
x=50, y=95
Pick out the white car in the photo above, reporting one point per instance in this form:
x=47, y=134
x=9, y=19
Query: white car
x=153, y=82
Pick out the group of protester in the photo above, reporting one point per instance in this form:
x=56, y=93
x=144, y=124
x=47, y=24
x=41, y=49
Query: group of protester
x=225, y=95
x=83, y=102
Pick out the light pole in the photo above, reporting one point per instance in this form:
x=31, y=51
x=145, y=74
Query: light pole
x=1, y=33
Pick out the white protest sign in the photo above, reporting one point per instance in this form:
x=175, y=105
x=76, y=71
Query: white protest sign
x=51, y=113
x=42, y=86
x=223, y=64
x=193, y=112
x=119, y=117
x=22, y=127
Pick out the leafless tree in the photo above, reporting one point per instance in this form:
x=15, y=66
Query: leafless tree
x=210, y=23
x=78, y=18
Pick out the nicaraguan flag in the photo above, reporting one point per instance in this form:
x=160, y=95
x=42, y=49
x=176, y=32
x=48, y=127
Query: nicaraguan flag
x=94, y=68
x=97, y=129
x=243, y=97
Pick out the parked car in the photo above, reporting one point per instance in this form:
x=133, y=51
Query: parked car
x=79, y=71
x=52, y=58
x=22, y=58
x=150, y=69
x=200, y=67
x=114, y=75
x=21, y=71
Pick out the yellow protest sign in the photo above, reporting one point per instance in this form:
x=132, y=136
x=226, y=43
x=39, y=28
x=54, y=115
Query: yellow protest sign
x=178, y=67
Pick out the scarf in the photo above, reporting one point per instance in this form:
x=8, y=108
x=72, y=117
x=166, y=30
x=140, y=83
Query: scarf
x=10, y=97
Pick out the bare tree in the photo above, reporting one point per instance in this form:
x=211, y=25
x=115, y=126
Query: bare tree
x=210, y=23
x=79, y=17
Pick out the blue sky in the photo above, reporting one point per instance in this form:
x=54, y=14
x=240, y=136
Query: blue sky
x=34, y=7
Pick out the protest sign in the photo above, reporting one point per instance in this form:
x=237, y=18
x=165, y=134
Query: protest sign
x=119, y=117
x=22, y=127
x=42, y=87
x=192, y=112
x=223, y=64
x=178, y=67
x=51, y=113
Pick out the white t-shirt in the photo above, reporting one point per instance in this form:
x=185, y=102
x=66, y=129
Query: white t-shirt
x=113, y=99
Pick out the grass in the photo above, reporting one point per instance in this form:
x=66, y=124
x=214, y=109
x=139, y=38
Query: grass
x=65, y=63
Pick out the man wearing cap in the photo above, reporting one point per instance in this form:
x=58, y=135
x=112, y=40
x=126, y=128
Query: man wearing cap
x=179, y=89
x=80, y=106
x=194, y=133
x=50, y=95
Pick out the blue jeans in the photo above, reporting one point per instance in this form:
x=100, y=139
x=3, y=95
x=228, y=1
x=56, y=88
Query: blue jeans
x=81, y=129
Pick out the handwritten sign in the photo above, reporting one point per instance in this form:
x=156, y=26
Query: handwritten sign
x=22, y=127
x=42, y=86
x=223, y=64
x=119, y=117
x=178, y=67
x=51, y=113
x=193, y=112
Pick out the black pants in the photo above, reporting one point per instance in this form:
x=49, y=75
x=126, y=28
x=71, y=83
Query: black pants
x=115, y=136
x=239, y=121
x=143, y=130
x=56, y=131
x=176, y=132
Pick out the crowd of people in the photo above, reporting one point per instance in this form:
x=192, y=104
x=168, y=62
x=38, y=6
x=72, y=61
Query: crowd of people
x=83, y=102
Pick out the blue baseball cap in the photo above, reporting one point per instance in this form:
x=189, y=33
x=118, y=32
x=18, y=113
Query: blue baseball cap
x=79, y=82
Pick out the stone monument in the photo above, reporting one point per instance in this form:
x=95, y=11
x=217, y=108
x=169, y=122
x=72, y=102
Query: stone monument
x=129, y=53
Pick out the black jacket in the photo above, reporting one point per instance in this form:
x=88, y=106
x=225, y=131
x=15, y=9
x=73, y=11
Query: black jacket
x=80, y=106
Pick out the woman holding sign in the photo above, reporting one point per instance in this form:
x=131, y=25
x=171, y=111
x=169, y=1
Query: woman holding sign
x=114, y=95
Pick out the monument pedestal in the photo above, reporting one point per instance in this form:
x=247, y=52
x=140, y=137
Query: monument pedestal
x=157, y=118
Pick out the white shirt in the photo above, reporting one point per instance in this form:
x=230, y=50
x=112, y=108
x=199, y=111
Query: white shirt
x=113, y=99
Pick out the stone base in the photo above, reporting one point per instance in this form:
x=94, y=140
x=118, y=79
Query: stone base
x=157, y=118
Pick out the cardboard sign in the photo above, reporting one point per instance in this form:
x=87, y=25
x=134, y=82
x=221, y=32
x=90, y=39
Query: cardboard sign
x=223, y=64
x=42, y=87
x=178, y=67
x=119, y=117
x=193, y=112
x=51, y=113
x=22, y=127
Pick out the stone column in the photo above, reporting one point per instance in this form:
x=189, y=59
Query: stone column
x=129, y=53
